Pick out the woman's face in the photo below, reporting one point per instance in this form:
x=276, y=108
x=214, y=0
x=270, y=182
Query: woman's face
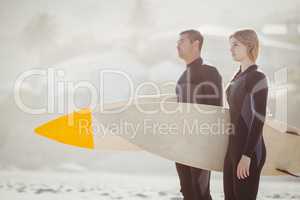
x=238, y=50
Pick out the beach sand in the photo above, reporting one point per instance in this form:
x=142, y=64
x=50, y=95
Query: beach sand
x=49, y=185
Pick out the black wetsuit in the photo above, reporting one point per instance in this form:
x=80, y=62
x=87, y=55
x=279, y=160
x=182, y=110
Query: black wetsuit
x=201, y=84
x=247, y=98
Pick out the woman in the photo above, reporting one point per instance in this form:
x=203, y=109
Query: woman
x=247, y=97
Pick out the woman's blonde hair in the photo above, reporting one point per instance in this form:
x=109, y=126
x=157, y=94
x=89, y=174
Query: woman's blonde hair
x=248, y=38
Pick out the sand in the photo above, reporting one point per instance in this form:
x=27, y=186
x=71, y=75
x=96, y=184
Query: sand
x=47, y=184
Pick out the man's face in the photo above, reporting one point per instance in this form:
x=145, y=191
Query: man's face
x=184, y=46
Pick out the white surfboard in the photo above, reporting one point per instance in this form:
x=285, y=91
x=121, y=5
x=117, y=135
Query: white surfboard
x=192, y=134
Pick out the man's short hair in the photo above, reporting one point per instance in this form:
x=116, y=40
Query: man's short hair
x=194, y=35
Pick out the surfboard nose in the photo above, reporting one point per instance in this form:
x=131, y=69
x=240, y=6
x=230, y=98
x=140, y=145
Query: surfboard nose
x=73, y=129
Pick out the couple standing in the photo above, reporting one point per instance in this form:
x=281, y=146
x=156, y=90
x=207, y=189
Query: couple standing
x=246, y=95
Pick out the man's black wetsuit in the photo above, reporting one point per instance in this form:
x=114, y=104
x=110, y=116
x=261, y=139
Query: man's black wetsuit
x=201, y=84
x=247, y=98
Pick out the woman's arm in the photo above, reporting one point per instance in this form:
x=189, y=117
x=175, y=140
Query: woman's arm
x=257, y=87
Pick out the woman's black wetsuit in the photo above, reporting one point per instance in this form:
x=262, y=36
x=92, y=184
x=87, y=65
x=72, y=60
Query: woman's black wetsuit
x=247, y=99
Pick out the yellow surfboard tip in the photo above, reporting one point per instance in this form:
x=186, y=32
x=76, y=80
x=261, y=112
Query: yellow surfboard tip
x=73, y=129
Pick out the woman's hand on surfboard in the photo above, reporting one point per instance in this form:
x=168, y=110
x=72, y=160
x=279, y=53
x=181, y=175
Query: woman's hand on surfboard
x=243, y=167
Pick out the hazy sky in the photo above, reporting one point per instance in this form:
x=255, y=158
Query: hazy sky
x=137, y=36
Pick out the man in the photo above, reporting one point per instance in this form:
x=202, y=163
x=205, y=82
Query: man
x=201, y=84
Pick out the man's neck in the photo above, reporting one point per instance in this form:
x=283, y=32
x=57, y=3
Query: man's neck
x=191, y=59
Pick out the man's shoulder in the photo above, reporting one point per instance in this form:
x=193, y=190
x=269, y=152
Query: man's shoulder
x=210, y=69
x=204, y=73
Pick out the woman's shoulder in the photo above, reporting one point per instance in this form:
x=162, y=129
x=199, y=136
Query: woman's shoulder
x=257, y=75
x=256, y=80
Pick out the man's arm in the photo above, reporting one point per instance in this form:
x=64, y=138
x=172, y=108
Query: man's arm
x=212, y=91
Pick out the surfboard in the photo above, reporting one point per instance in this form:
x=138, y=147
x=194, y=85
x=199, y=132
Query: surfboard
x=192, y=134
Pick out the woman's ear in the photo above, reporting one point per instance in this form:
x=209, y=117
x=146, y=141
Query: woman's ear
x=250, y=49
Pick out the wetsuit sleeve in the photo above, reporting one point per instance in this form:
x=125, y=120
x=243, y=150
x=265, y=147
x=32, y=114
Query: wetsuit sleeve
x=191, y=93
x=213, y=91
x=201, y=90
x=186, y=93
x=257, y=88
x=190, y=90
